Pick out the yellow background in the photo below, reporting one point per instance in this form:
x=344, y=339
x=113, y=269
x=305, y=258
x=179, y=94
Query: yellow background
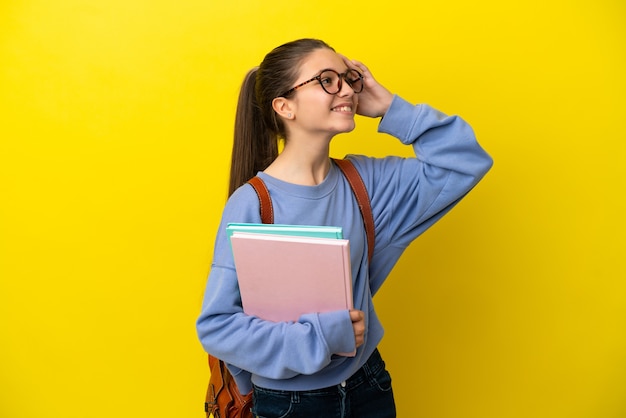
x=115, y=135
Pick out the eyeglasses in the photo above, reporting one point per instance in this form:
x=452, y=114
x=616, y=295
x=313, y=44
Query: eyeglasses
x=330, y=80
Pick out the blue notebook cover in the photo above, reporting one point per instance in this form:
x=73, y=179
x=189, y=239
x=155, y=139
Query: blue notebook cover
x=311, y=231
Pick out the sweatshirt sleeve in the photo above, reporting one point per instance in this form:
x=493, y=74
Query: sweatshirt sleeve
x=408, y=195
x=268, y=349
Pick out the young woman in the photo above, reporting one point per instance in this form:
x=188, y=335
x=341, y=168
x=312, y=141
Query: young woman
x=304, y=93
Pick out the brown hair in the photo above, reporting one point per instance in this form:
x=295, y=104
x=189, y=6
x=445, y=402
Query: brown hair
x=257, y=127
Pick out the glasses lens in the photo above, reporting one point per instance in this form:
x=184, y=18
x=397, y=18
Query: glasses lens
x=354, y=80
x=329, y=81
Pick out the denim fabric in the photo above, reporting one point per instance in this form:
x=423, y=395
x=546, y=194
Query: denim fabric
x=367, y=393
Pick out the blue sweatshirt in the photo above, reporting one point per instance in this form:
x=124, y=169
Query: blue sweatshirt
x=407, y=195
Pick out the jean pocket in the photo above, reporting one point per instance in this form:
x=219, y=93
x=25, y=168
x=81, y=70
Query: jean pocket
x=381, y=379
x=271, y=404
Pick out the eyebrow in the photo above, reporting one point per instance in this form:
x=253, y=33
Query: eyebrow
x=331, y=69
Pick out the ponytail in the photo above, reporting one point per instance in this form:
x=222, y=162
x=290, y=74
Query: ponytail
x=254, y=146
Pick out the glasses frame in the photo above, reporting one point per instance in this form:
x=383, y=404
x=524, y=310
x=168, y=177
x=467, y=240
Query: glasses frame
x=341, y=77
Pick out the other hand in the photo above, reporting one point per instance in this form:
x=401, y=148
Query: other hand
x=358, y=326
x=375, y=99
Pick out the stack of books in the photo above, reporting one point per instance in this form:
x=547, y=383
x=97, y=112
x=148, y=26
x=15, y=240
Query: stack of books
x=285, y=271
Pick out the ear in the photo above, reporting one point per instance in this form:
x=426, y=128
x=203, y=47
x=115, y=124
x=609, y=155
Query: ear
x=283, y=107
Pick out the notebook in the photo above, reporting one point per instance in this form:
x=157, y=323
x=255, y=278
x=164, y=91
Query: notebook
x=281, y=229
x=283, y=277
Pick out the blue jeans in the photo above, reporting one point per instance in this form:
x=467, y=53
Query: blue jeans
x=366, y=394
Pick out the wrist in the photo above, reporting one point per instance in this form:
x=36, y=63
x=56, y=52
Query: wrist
x=385, y=105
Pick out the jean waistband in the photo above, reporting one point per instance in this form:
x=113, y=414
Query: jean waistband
x=372, y=366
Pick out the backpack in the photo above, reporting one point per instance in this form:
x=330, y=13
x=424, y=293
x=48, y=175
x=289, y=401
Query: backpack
x=223, y=398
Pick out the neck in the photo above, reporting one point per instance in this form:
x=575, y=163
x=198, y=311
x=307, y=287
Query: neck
x=304, y=162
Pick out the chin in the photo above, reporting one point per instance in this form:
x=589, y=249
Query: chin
x=349, y=127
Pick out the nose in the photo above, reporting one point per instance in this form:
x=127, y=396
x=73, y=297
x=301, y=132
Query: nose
x=345, y=90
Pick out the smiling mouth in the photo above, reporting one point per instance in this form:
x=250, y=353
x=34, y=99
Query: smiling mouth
x=342, y=109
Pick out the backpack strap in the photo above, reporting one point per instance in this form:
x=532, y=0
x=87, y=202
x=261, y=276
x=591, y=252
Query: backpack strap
x=360, y=192
x=356, y=184
x=265, y=201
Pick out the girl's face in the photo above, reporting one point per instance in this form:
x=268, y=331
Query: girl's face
x=315, y=111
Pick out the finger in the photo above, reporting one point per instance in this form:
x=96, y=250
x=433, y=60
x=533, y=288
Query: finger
x=349, y=63
x=362, y=68
x=356, y=315
x=357, y=65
